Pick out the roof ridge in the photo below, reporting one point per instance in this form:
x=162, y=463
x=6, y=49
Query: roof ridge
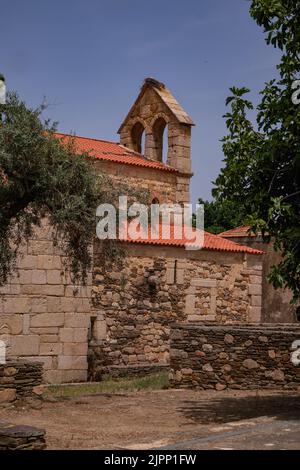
x=88, y=138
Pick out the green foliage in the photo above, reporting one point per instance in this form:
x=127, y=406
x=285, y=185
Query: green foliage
x=221, y=216
x=41, y=176
x=262, y=164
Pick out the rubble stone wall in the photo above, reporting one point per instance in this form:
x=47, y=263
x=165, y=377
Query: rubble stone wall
x=137, y=300
x=18, y=380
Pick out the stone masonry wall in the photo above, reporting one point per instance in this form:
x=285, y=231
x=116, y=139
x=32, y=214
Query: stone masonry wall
x=18, y=380
x=135, y=301
x=148, y=111
x=234, y=357
x=43, y=317
x=167, y=187
x=276, y=303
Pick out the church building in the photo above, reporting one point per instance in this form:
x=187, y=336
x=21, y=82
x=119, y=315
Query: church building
x=119, y=323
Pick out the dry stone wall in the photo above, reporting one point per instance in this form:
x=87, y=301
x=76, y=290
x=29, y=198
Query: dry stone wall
x=233, y=356
x=18, y=380
x=21, y=437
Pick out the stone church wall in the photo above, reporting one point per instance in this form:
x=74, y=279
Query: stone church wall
x=43, y=317
x=166, y=186
x=136, y=301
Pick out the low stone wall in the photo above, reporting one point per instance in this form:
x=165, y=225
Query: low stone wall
x=21, y=437
x=97, y=369
x=235, y=357
x=18, y=380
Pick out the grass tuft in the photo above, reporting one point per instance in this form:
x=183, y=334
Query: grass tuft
x=158, y=381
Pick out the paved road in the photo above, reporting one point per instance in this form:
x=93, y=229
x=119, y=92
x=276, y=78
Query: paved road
x=264, y=433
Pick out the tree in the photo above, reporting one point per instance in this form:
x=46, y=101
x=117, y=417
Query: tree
x=262, y=162
x=220, y=216
x=42, y=176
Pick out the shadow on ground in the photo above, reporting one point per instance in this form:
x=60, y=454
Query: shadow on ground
x=228, y=409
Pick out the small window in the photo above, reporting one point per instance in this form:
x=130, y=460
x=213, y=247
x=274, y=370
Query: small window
x=155, y=214
x=175, y=271
x=91, y=328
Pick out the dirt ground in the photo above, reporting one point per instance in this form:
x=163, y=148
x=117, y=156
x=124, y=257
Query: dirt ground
x=170, y=419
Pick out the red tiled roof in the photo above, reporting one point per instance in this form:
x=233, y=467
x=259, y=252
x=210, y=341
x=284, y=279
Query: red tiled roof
x=215, y=242
x=111, y=151
x=114, y=152
x=211, y=242
x=242, y=231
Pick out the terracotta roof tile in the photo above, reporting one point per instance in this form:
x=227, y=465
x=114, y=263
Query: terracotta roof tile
x=111, y=151
x=114, y=152
x=211, y=242
x=242, y=231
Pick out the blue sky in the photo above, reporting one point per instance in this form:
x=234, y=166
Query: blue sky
x=89, y=59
